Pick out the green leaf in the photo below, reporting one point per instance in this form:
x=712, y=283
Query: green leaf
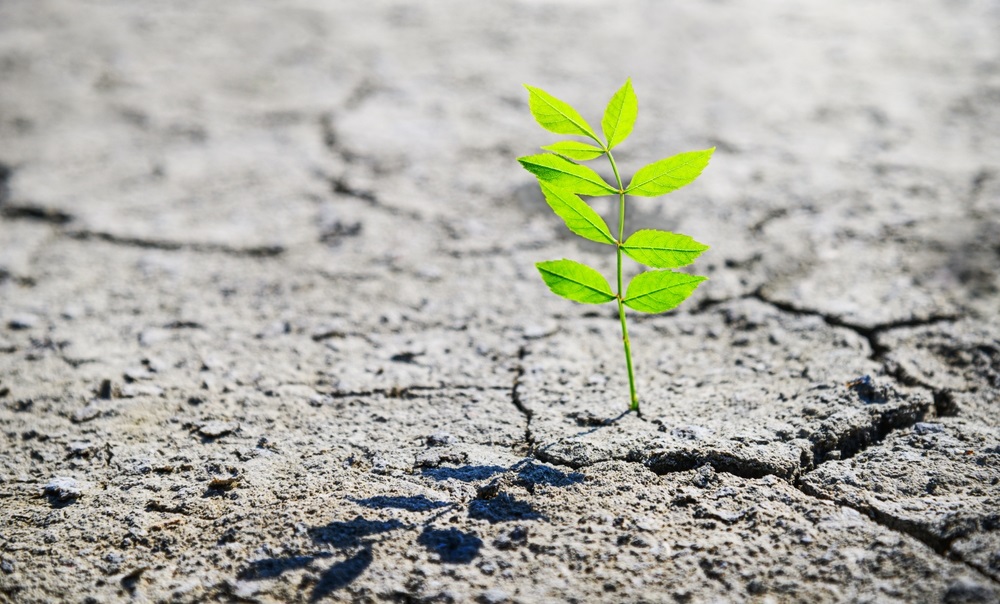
x=662, y=249
x=557, y=116
x=659, y=291
x=669, y=174
x=564, y=174
x=619, y=116
x=579, y=217
x=575, y=281
x=575, y=150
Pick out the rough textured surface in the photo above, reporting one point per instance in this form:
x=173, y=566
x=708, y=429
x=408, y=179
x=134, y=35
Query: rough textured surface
x=270, y=329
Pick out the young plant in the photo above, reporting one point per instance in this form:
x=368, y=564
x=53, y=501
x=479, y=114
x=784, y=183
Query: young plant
x=562, y=180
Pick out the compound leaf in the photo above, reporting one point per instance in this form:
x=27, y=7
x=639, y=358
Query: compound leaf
x=662, y=249
x=669, y=174
x=575, y=150
x=578, y=216
x=575, y=281
x=620, y=114
x=659, y=291
x=555, y=115
x=564, y=174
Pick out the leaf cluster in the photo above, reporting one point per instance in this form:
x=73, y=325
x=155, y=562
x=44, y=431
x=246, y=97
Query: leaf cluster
x=562, y=180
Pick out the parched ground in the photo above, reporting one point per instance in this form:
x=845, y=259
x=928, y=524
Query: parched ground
x=270, y=329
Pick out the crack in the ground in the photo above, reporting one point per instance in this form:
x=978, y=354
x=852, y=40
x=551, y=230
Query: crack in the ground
x=515, y=397
x=340, y=185
x=409, y=391
x=5, y=173
x=944, y=404
x=26, y=211
x=35, y=213
x=847, y=445
x=940, y=544
x=869, y=333
x=261, y=251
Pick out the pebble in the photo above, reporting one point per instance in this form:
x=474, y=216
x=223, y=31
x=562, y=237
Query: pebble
x=534, y=331
x=25, y=321
x=217, y=429
x=494, y=596
x=927, y=428
x=85, y=414
x=440, y=439
x=63, y=489
x=134, y=390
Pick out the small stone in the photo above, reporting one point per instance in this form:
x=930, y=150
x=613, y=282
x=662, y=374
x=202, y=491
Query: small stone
x=63, y=488
x=535, y=332
x=153, y=336
x=137, y=373
x=440, y=439
x=7, y=566
x=134, y=390
x=597, y=379
x=85, y=414
x=25, y=321
x=217, y=429
x=927, y=428
x=488, y=568
x=223, y=484
x=70, y=312
x=691, y=432
x=493, y=596
x=968, y=590
x=704, y=476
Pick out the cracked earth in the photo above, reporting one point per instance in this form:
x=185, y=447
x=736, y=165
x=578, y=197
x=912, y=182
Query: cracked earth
x=270, y=329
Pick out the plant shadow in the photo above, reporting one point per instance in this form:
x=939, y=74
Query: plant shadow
x=355, y=541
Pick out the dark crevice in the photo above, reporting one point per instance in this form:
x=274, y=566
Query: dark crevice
x=5, y=173
x=409, y=392
x=758, y=227
x=941, y=544
x=869, y=333
x=722, y=463
x=340, y=186
x=682, y=461
x=850, y=443
x=35, y=213
x=263, y=251
x=945, y=404
x=515, y=397
x=944, y=399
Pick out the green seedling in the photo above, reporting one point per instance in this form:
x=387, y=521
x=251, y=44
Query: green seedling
x=563, y=180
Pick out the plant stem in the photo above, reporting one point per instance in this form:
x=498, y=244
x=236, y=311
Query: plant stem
x=634, y=405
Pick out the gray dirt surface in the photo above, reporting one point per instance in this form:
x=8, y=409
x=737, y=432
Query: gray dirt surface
x=270, y=329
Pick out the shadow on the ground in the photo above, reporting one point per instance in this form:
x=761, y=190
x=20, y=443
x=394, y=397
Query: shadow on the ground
x=355, y=539
x=528, y=474
x=342, y=573
x=503, y=508
x=451, y=545
x=417, y=503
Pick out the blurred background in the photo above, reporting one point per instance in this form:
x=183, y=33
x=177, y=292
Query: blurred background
x=856, y=170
